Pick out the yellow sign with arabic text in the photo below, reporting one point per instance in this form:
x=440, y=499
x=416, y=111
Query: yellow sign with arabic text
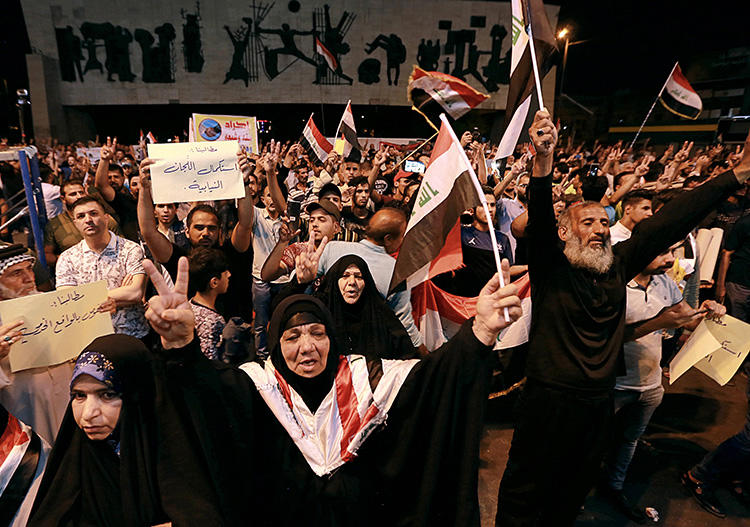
x=57, y=325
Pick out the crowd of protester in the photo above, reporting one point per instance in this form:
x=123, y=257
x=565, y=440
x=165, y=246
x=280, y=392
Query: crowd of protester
x=242, y=326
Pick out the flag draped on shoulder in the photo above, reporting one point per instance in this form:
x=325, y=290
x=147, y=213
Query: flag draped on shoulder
x=679, y=97
x=346, y=135
x=315, y=141
x=525, y=13
x=432, y=93
x=439, y=314
x=446, y=191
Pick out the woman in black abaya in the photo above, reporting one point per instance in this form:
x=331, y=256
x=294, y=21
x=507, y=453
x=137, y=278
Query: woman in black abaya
x=317, y=437
x=363, y=322
x=103, y=469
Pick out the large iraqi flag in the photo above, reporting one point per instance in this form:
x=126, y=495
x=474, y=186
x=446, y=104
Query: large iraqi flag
x=432, y=93
x=439, y=315
x=446, y=191
x=679, y=97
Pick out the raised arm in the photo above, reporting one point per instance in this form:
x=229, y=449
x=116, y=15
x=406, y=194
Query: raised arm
x=157, y=243
x=101, y=182
x=675, y=219
x=242, y=235
x=270, y=163
x=274, y=267
x=542, y=227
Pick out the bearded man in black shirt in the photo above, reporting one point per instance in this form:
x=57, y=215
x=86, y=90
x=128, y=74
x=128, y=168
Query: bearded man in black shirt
x=577, y=330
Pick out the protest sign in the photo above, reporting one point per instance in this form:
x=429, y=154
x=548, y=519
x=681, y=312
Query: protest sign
x=94, y=154
x=185, y=172
x=226, y=128
x=717, y=348
x=57, y=325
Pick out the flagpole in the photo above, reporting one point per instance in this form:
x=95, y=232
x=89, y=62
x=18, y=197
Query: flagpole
x=653, y=105
x=534, y=65
x=415, y=150
x=483, y=200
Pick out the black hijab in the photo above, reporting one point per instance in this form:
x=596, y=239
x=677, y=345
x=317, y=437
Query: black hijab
x=306, y=309
x=85, y=482
x=368, y=327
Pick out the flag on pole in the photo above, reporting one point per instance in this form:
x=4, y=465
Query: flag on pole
x=446, y=191
x=439, y=314
x=313, y=140
x=522, y=74
x=679, y=97
x=149, y=137
x=432, y=93
x=347, y=133
x=329, y=57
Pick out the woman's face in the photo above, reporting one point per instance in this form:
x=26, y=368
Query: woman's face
x=351, y=284
x=96, y=407
x=305, y=349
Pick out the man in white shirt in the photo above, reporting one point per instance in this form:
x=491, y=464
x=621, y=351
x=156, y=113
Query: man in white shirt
x=636, y=207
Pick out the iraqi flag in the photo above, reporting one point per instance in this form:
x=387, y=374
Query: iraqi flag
x=346, y=135
x=314, y=141
x=432, y=93
x=679, y=97
x=329, y=57
x=439, y=315
x=446, y=191
x=525, y=14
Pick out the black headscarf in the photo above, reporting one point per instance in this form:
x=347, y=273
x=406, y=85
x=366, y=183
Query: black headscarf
x=85, y=482
x=368, y=327
x=312, y=390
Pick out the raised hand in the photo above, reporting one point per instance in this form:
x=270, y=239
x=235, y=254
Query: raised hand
x=246, y=167
x=380, y=155
x=466, y=138
x=9, y=333
x=270, y=161
x=170, y=313
x=306, y=263
x=107, y=151
x=544, y=136
x=144, y=169
x=491, y=304
x=285, y=231
x=742, y=169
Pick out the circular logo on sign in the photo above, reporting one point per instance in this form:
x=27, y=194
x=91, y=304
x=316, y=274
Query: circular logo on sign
x=209, y=129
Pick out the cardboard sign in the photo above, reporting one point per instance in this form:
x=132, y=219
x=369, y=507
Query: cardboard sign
x=238, y=128
x=57, y=325
x=186, y=172
x=717, y=348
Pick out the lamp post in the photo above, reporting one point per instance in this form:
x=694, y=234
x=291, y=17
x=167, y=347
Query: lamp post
x=22, y=99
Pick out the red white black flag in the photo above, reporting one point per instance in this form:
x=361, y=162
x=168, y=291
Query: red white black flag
x=346, y=135
x=432, y=93
x=679, y=97
x=525, y=13
x=446, y=191
x=329, y=57
x=315, y=141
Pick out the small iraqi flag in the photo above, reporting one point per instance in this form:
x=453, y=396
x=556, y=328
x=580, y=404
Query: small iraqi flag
x=346, y=135
x=314, y=141
x=432, y=93
x=679, y=97
x=329, y=57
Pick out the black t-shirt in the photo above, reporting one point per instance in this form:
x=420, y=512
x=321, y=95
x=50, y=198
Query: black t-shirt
x=237, y=301
x=126, y=208
x=739, y=242
x=354, y=222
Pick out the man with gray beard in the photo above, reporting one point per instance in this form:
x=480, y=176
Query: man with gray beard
x=38, y=396
x=565, y=411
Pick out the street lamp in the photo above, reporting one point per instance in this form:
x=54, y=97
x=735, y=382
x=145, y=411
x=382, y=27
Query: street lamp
x=22, y=99
x=564, y=33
